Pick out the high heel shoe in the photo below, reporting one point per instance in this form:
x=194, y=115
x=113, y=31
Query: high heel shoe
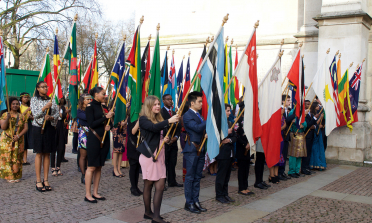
x=47, y=188
x=40, y=189
x=119, y=176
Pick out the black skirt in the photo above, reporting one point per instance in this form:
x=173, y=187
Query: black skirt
x=97, y=155
x=44, y=143
x=60, y=135
x=29, y=142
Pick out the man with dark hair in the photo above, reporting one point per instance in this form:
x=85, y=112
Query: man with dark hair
x=195, y=127
x=286, y=103
x=307, y=104
x=225, y=159
x=171, y=148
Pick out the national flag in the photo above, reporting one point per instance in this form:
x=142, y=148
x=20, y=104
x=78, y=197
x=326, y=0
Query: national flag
x=226, y=77
x=231, y=89
x=296, y=77
x=180, y=85
x=87, y=74
x=164, y=77
x=204, y=110
x=118, y=74
x=236, y=82
x=79, y=71
x=269, y=96
x=155, y=73
x=354, y=89
x=46, y=75
x=145, y=72
x=335, y=79
x=2, y=76
x=172, y=88
x=56, y=63
x=344, y=99
x=246, y=72
x=134, y=80
x=71, y=55
x=212, y=72
x=322, y=85
x=186, y=84
x=113, y=86
x=94, y=81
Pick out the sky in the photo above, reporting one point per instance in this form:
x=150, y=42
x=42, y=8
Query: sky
x=116, y=10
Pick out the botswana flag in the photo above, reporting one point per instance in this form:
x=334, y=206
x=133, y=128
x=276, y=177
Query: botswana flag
x=212, y=70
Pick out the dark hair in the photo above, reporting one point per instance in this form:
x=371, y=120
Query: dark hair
x=37, y=92
x=186, y=107
x=24, y=94
x=64, y=101
x=285, y=96
x=193, y=96
x=81, y=101
x=316, y=97
x=307, y=101
x=313, y=107
x=95, y=90
x=165, y=95
x=11, y=99
x=227, y=106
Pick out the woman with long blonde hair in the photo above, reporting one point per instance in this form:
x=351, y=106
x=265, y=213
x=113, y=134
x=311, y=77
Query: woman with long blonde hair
x=154, y=173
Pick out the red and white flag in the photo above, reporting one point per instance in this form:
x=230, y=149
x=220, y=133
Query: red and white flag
x=270, y=98
x=246, y=72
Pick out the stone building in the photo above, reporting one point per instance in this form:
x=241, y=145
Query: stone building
x=343, y=25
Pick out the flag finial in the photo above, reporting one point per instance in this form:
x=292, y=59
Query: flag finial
x=282, y=42
x=236, y=46
x=173, y=52
x=168, y=47
x=337, y=52
x=364, y=60
x=227, y=38
x=357, y=66
x=225, y=19
x=351, y=64
x=300, y=45
x=96, y=35
x=47, y=49
x=281, y=53
x=207, y=41
x=124, y=37
x=339, y=56
x=158, y=27
x=304, y=67
x=57, y=31
x=232, y=41
x=141, y=20
x=212, y=38
x=149, y=37
x=76, y=17
x=303, y=56
x=189, y=53
x=329, y=49
x=183, y=57
x=257, y=24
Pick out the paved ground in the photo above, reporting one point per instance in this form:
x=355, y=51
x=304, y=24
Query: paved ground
x=339, y=194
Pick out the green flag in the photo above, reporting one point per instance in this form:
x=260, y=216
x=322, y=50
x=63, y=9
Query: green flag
x=231, y=89
x=155, y=75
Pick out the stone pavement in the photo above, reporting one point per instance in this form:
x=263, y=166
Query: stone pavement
x=339, y=194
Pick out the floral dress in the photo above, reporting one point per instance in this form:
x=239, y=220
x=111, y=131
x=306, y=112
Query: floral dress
x=11, y=155
x=119, y=138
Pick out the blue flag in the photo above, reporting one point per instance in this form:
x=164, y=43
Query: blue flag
x=354, y=89
x=164, y=78
x=179, y=82
x=2, y=76
x=212, y=72
x=118, y=72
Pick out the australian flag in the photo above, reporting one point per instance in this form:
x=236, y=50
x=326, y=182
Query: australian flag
x=354, y=89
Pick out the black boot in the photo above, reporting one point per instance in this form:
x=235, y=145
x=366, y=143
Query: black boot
x=83, y=178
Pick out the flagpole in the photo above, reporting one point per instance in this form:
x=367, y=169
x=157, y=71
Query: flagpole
x=241, y=57
x=38, y=78
x=236, y=120
x=192, y=84
x=6, y=90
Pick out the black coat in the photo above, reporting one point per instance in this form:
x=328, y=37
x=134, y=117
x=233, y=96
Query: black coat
x=151, y=132
x=227, y=149
x=132, y=153
x=166, y=116
x=241, y=142
x=288, y=120
x=310, y=121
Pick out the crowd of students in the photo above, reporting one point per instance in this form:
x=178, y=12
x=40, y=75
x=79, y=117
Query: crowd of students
x=42, y=125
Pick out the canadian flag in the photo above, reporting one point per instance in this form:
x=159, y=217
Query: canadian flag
x=246, y=72
x=270, y=96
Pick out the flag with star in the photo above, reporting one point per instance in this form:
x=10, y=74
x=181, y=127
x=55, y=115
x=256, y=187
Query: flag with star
x=145, y=72
x=354, y=88
x=116, y=75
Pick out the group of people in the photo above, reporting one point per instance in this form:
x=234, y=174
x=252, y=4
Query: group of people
x=150, y=150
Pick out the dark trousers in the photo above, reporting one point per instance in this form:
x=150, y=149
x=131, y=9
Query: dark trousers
x=60, y=154
x=324, y=139
x=285, y=154
x=170, y=163
x=75, y=141
x=134, y=170
x=194, y=168
x=259, y=167
x=305, y=164
x=243, y=173
x=223, y=177
x=78, y=157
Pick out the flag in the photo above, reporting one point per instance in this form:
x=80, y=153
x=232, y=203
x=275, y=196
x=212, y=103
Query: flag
x=172, y=81
x=71, y=55
x=117, y=74
x=212, y=73
x=269, y=96
x=113, y=86
x=322, y=85
x=226, y=77
x=354, y=89
x=246, y=72
x=2, y=76
x=204, y=110
x=145, y=72
x=94, y=75
x=56, y=63
x=46, y=75
x=155, y=74
x=344, y=99
x=79, y=71
x=164, y=77
x=179, y=84
x=134, y=79
x=296, y=77
x=186, y=85
x=232, y=87
x=334, y=77
x=236, y=82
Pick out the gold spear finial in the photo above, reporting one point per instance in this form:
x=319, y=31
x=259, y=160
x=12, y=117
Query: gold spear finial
x=96, y=35
x=339, y=56
x=281, y=53
x=357, y=66
x=257, y=24
x=227, y=38
x=183, y=57
x=47, y=49
x=57, y=31
x=141, y=20
x=158, y=27
x=207, y=41
x=300, y=45
x=236, y=46
x=173, y=51
x=189, y=53
x=337, y=52
x=329, y=49
x=168, y=47
x=282, y=42
x=351, y=64
x=76, y=17
x=124, y=37
x=225, y=19
x=232, y=41
x=212, y=38
x=303, y=56
x=364, y=60
x=149, y=37
x=304, y=67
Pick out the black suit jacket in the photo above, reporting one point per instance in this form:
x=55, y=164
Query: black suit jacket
x=310, y=122
x=226, y=149
x=177, y=134
x=151, y=132
x=288, y=120
x=241, y=142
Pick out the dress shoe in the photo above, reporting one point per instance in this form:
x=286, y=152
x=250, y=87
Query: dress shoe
x=248, y=193
x=148, y=217
x=229, y=199
x=281, y=177
x=265, y=184
x=306, y=172
x=135, y=192
x=198, y=206
x=64, y=160
x=293, y=175
x=175, y=185
x=286, y=176
x=192, y=208
x=203, y=176
x=297, y=174
x=222, y=200
x=311, y=171
x=139, y=191
x=99, y=198
x=260, y=186
x=90, y=201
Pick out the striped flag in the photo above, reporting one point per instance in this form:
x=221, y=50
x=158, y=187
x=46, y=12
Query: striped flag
x=334, y=78
x=164, y=77
x=2, y=76
x=236, y=80
x=145, y=72
x=56, y=63
x=179, y=84
x=212, y=74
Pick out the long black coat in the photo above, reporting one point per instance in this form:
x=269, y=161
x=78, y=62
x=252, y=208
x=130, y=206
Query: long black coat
x=166, y=116
x=151, y=131
x=227, y=149
x=241, y=142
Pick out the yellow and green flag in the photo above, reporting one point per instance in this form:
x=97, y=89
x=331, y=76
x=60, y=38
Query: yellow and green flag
x=344, y=99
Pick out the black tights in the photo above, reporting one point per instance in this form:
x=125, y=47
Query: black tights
x=158, y=197
x=83, y=160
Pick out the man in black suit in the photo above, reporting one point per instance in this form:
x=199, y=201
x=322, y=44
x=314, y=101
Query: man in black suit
x=171, y=149
x=224, y=160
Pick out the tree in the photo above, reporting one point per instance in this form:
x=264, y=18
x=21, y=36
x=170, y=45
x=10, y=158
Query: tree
x=25, y=22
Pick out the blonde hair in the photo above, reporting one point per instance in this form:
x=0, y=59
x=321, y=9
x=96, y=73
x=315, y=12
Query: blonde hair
x=147, y=109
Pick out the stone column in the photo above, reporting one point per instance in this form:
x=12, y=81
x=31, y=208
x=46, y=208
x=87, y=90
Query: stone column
x=345, y=25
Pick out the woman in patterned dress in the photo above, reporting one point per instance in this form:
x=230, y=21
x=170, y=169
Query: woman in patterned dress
x=12, y=142
x=26, y=112
x=119, y=134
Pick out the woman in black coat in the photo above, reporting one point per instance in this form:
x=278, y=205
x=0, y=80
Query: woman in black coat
x=97, y=118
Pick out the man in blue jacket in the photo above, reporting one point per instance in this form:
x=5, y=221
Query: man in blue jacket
x=195, y=127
